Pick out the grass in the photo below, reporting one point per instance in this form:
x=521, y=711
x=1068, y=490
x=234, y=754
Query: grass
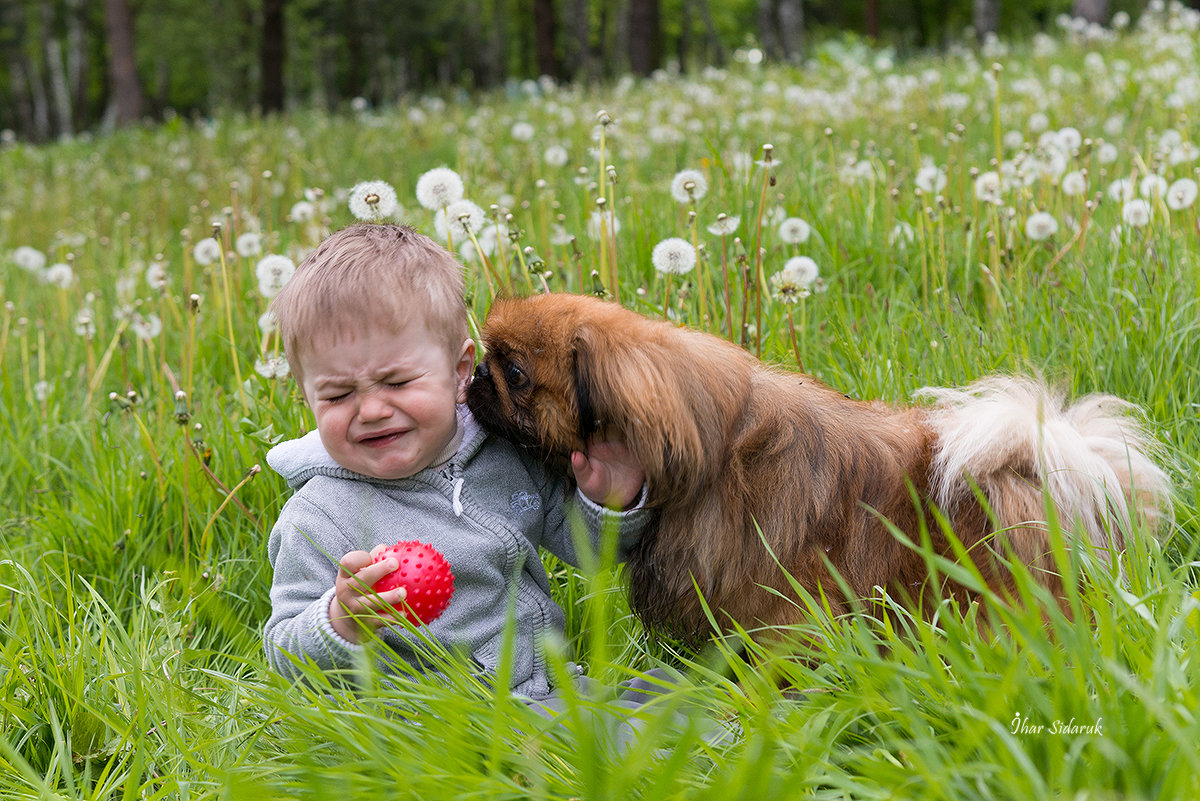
x=133, y=577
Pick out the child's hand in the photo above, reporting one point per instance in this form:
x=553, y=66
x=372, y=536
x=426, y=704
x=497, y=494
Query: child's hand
x=608, y=474
x=355, y=606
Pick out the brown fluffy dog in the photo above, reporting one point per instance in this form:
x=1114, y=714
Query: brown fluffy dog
x=732, y=448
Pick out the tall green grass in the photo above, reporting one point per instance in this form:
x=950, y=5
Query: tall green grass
x=132, y=555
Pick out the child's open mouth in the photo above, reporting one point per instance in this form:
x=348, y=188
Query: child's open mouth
x=381, y=440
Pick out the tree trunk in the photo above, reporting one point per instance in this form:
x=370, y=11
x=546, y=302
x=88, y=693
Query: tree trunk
x=122, y=68
x=60, y=92
x=715, y=51
x=582, y=64
x=985, y=17
x=545, y=34
x=872, y=19
x=1091, y=10
x=272, y=51
x=791, y=29
x=768, y=31
x=645, y=36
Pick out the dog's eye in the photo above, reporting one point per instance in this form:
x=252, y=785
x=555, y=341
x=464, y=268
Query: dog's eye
x=515, y=376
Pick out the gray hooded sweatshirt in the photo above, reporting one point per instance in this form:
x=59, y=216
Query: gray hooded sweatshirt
x=488, y=509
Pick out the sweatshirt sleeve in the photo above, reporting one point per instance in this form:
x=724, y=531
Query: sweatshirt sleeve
x=580, y=521
x=304, y=549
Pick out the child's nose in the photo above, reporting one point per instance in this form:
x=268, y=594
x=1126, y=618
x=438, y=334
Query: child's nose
x=374, y=406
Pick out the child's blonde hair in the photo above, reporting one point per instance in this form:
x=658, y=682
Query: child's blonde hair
x=369, y=274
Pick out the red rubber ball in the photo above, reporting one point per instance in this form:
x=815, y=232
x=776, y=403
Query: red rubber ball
x=426, y=576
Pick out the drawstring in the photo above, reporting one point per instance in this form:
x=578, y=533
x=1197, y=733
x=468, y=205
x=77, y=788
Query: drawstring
x=456, y=500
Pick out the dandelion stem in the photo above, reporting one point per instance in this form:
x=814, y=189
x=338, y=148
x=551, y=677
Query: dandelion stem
x=102, y=368
x=792, y=330
x=237, y=370
x=725, y=277
x=251, y=473
x=758, y=261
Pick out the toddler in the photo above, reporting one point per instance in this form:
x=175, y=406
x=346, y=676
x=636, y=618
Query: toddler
x=374, y=326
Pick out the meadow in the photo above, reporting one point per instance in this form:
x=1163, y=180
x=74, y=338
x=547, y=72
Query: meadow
x=883, y=224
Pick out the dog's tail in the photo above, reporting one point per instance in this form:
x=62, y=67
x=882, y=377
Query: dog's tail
x=1020, y=442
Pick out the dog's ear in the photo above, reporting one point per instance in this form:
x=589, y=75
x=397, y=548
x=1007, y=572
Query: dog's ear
x=672, y=398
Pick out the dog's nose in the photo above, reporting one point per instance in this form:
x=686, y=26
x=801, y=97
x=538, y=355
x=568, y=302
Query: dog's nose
x=482, y=371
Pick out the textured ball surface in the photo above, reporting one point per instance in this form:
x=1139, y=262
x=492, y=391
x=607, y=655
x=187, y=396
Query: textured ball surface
x=425, y=575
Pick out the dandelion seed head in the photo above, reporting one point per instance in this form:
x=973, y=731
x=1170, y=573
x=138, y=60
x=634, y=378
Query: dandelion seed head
x=1074, y=183
x=523, y=131
x=794, y=231
x=273, y=272
x=1153, y=186
x=207, y=251
x=272, y=367
x=302, y=211
x=146, y=328
x=989, y=188
x=249, y=245
x=1181, y=194
x=1041, y=225
x=601, y=224
x=801, y=270
x=156, y=275
x=29, y=259
x=372, y=201
x=453, y=221
x=438, y=188
x=60, y=275
x=673, y=256
x=556, y=156
x=930, y=179
x=688, y=185
x=1136, y=213
x=725, y=225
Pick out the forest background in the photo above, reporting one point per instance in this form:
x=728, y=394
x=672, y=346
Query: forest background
x=70, y=66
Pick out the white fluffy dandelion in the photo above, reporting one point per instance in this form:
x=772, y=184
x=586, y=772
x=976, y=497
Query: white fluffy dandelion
x=673, y=256
x=272, y=367
x=302, y=211
x=1181, y=194
x=453, y=221
x=1153, y=186
x=556, y=156
x=1074, y=183
x=372, y=201
x=1041, y=225
x=146, y=328
x=725, y=225
x=273, y=272
x=29, y=259
x=207, y=251
x=801, y=270
x=438, y=188
x=930, y=179
x=602, y=223
x=156, y=275
x=268, y=322
x=902, y=235
x=989, y=188
x=688, y=185
x=794, y=231
x=522, y=131
x=249, y=245
x=59, y=275
x=1136, y=213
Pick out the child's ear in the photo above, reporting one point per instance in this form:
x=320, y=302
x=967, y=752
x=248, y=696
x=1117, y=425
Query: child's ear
x=464, y=369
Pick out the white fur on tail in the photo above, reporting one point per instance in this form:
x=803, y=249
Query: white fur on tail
x=1016, y=435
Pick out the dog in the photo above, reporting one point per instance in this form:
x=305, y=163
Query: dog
x=754, y=470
